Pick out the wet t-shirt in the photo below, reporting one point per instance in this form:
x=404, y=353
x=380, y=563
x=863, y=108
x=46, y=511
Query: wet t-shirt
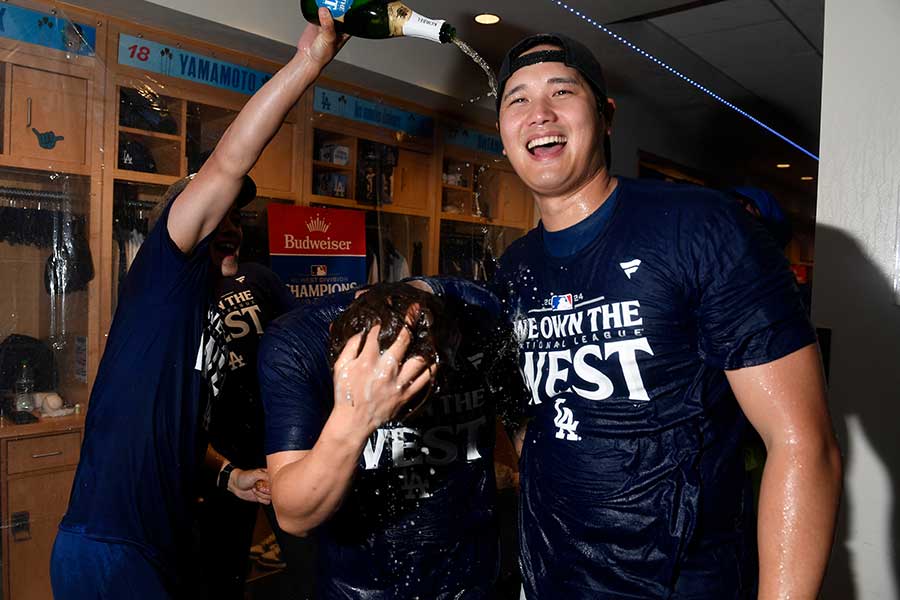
x=632, y=475
x=418, y=521
x=246, y=303
x=137, y=470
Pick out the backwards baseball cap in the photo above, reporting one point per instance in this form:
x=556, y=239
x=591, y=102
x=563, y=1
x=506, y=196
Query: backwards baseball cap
x=573, y=54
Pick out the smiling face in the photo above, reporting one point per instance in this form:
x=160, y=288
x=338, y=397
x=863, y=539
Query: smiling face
x=551, y=129
x=226, y=242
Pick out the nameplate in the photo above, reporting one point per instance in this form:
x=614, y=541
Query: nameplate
x=344, y=105
x=471, y=139
x=148, y=55
x=47, y=30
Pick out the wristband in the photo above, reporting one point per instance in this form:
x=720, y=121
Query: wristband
x=224, y=476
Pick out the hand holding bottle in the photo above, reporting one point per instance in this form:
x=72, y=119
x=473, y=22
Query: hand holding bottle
x=320, y=44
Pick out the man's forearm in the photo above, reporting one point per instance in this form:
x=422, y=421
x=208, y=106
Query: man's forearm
x=307, y=492
x=798, y=503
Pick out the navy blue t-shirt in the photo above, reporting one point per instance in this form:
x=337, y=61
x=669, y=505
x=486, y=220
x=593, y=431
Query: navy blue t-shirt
x=246, y=302
x=419, y=518
x=137, y=469
x=632, y=475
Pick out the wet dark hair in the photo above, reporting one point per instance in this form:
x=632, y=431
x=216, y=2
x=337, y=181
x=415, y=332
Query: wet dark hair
x=434, y=334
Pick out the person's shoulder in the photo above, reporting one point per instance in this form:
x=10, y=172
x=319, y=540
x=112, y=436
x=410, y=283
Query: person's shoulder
x=666, y=195
x=311, y=315
x=465, y=298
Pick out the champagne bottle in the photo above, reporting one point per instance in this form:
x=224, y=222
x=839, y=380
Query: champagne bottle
x=24, y=389
x=378, y=19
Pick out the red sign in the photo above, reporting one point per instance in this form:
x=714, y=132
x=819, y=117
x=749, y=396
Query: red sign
x=303, y=231
x=317, y=251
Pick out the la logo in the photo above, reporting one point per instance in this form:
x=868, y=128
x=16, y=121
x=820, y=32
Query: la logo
x=566, y=423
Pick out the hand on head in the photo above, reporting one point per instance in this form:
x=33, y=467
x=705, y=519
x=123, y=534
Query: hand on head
x=371, y=387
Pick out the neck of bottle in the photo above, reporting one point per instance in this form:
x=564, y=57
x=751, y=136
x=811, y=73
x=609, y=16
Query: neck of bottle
x=405, y=21
x=423, y=27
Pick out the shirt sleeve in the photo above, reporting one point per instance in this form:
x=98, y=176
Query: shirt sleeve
x=295, y=381
x=749, y=308
x=160, y=266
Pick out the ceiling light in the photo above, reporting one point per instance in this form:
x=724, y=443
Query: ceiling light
x=487, y=19
x=807, y=178
x=783, y=166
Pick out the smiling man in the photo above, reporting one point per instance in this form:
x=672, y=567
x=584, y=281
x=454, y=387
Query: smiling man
x=656, y=323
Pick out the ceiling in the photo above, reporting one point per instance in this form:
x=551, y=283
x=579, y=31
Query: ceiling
x=762, y=55
x=765, y=53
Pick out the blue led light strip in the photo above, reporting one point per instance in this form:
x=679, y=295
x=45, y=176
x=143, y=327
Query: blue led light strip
x=683, y=77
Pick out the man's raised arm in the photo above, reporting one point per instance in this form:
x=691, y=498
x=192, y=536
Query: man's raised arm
x=208, y=197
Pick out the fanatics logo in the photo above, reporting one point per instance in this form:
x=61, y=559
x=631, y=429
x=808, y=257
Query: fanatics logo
x=476, y=359
x=630, y=267
x=240, y=279
x=318, y=224
x=563, y=302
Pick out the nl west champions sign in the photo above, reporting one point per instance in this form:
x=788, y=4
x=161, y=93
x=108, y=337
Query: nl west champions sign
x=317, y=251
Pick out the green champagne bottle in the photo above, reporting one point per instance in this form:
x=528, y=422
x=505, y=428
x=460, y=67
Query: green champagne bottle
x=378, y=19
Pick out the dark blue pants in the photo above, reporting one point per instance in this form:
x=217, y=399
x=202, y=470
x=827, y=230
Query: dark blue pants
x=86, y=569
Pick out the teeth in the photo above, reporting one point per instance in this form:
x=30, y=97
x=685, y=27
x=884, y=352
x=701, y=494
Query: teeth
x=550, y=139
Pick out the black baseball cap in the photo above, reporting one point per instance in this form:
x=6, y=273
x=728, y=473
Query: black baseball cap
x=573, y=54
x=245, y=195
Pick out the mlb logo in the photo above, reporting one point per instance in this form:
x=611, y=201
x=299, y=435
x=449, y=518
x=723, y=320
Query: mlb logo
x=564, y=302
x=319, y=270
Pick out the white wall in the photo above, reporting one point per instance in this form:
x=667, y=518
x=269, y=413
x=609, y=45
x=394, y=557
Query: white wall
x=856, y=241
